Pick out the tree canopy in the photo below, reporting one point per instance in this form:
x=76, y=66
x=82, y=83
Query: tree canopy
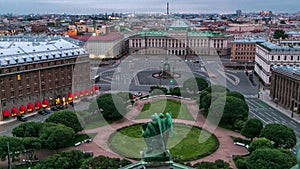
x=67, y=118
x=112, y=106
x=218, y=164
x=252, y=128
x=15, y=144
x=279, y=34
x=157, y=90
x=234, y=109
x=195, y=84
x=102, y=162
x=269, y=158
x=55, y=137
x=260, y=143
x=71, y=159
x=27, y=129
x=281, y=135
x=216, y=88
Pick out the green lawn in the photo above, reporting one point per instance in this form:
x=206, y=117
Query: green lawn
x=179, y=110
x=96, y=124
x=184, y=144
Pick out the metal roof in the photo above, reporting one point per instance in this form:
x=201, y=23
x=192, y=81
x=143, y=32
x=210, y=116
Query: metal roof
x=289, y=71
x=20, y=51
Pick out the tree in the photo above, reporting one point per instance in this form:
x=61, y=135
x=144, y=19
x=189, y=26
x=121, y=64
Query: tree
x=282, y=22
x=218, y=164
x=216, y=88
x=281, y=135
x=31, y=144
x=157, y=90
x=236, y=95
x=175, y=91
x=125, y=96
x=269, y=158
x=252, y=128
x=70, y=159
x=195, y=84
x=279, y=34
x=55, y=137
x=260, y=143
x=15, y=145
x=234, y=109
x=67, y=118
x=102, y=162
x=27, y=129
x=206, y=101
x=112, y=106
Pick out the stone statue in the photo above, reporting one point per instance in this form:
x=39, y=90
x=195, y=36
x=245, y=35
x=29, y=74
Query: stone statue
x=297, y=157
x=156, y=135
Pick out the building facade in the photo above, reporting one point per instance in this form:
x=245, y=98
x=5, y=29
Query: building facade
x=243, y=51
x=285, y=87
x=269, y=54
x=110, y=46
x=180, y=43
x=39, y=70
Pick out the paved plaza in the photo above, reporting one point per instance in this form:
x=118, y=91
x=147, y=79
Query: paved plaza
x=225, y=151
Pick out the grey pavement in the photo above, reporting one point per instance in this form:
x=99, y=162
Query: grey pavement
x=265, y=97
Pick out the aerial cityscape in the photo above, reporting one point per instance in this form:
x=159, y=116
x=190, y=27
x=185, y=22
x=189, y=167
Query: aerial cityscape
x=149, y=84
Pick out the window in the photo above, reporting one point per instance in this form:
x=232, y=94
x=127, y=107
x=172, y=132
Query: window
x=292, y=57
x=272, y=57
x=278, y=58
x=284, y=57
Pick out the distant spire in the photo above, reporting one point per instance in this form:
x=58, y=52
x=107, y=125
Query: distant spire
x=167, y=8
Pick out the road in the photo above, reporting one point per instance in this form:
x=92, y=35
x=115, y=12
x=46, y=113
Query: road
x=267, y=114
x=6, y=129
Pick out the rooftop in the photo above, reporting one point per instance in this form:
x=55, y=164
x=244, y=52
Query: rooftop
x=290, y=71
x=164, y=33
x=271, y=46
x=20, y=51
x=249, y=41
x=108, y=37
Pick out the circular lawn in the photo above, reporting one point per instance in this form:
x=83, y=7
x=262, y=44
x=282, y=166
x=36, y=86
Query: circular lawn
x=186, y=143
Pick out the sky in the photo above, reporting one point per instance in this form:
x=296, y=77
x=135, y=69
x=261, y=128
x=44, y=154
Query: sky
x=145, y=6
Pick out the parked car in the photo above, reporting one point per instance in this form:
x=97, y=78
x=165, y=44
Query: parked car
x=21, y=118
x=41, y=112
x=54, y=108
x=87, y=140
x=44, y=112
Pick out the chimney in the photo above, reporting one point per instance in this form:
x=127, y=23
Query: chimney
x=167, y=8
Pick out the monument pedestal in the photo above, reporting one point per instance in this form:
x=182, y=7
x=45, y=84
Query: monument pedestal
x=157, y=157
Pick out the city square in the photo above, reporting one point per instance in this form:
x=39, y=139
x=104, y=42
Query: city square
x=137, y=85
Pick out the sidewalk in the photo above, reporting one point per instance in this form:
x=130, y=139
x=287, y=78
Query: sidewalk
x=265, y=97
x=15, y=119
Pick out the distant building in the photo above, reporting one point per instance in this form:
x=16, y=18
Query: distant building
x=239, y=12
x=269, y=54
x=110, y=46
x=243, y=52
x=246, y=31
x=293, y=35
x=285, y=87
x=35, y=70
x=178, y=40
